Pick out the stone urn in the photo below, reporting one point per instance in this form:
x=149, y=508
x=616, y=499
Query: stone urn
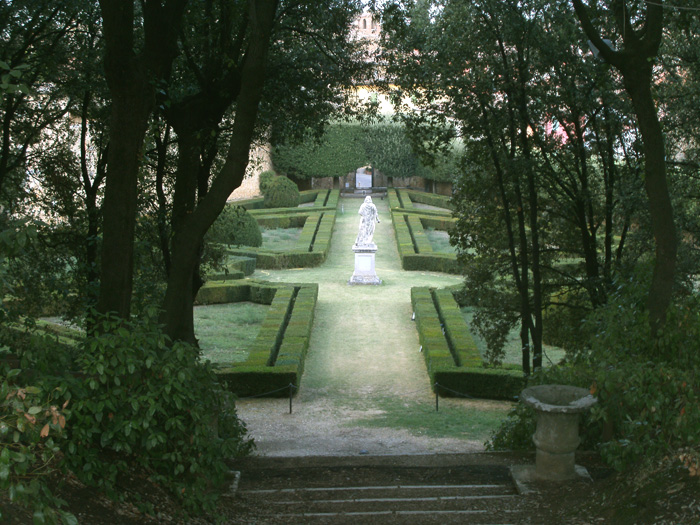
x=557, y=408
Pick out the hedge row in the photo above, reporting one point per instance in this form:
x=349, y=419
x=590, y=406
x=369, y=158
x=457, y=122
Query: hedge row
x=432, y=199
x=414, y=247
x=437, y=223
x=452, y=359
x=237, y=268
x=394, y=200
x=273, y=221
x=276, y=359
x=219, y=292
x=314, y=241
x=318, y=197
x=421, y=242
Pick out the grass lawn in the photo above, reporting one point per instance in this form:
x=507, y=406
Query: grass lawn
x=440, y=241
x=457, y=418
x=421, y=206
x=551, y=355
x=226, y=331
x=280, y=239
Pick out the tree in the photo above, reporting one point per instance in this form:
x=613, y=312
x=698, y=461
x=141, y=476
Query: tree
x=136, y=64
x=34, y=54
x=543, y=171
x=271, y=51
x=640, y=25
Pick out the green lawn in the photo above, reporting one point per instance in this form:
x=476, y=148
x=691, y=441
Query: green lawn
x=226, y=331
x=280, y=239
x=513, y=352
x=457, y=418
x=440, y=241
x=421, y=206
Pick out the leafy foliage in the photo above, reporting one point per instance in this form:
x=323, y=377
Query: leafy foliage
x=282, y=193
x=347, y=146
x=146, y=403
x=235, y=226
x=647, y=389
x=264, y=180
x=32, y=428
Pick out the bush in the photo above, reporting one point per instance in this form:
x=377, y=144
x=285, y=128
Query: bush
x=235, y=227
x=32, y=425
x=282, y=193
x=648, y=389
x=264, y=180
x=156, y=406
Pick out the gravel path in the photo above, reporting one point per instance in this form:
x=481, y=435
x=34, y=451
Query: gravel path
x=363, y=361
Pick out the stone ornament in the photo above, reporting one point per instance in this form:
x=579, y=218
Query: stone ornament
x=369, y=219
x=364, y=248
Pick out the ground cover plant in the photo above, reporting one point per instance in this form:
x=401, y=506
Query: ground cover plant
x=227, y=331
x=280, y=239
x=440, y=241
x=512, y=352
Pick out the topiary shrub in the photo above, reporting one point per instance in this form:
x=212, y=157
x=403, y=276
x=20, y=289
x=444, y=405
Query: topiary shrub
x=264, y=180
x=235, y=226
x=281, y=193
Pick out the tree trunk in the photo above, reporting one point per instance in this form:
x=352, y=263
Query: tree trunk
x=635, y=63
x=660, y=208
x=178, y=303
x=132, y=82
x=127, y=130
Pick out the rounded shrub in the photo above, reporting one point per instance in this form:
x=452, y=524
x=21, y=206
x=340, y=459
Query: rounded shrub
x=264, y=180
x=281, y=193
x=235, y=226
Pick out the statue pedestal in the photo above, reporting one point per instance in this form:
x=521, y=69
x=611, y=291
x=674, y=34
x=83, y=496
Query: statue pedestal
x=365, y=272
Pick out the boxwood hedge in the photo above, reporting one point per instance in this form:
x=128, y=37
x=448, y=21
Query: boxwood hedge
x=454, y=364
x=415, y=249
x=316, y=221
x=276, y=359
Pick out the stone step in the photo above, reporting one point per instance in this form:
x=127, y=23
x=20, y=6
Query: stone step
x=380, y=490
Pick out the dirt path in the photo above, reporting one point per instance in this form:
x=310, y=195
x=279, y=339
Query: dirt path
x=365, y=380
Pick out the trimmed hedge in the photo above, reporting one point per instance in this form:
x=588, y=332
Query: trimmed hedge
x=281, y=192
x=432, y=199
x=454, y=364
x=276, y=359
x=433, y=262
x=281, y=220
x=314, y=242
x=414, y=247
x=238, y=267
x=219, y=292
x=438, y=223
x=420, y=239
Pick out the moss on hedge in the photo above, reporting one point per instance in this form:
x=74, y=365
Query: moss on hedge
x=413, y=245
x=454, y=364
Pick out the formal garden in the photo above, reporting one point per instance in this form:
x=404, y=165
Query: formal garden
x=240, y=230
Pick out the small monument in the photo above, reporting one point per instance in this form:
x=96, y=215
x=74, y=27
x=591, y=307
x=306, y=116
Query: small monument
x=364, y=248
x=557, y=408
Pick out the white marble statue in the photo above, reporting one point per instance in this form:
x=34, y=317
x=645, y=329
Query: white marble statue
x=368, y=212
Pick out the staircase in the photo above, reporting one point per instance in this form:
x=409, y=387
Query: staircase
x=431, y=489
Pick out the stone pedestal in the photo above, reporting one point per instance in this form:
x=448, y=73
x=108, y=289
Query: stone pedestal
x=365, y=272
x=557, y=408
